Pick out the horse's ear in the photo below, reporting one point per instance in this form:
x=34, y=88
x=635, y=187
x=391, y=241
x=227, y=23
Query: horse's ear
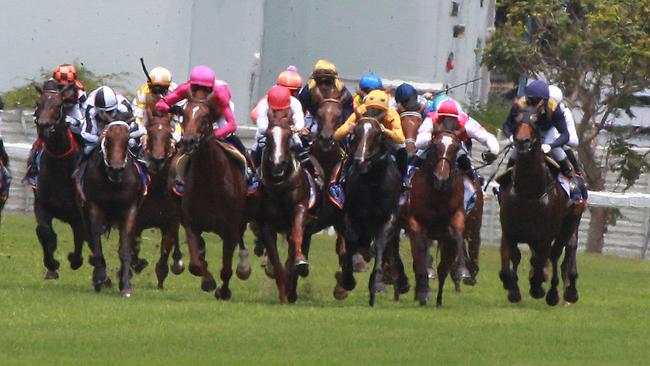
x=38, y=89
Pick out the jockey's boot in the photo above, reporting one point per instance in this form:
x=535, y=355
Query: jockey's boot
x=401, y=158
x=413, y=165
x=336, y=190
x=31, y=172
x=574, y=161
x=575, y=193
x=307, y=162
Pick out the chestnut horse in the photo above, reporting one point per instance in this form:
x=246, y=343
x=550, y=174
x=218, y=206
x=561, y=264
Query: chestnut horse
x=372, y=201
x=54, y=196
x=114, y=192
x=436, y=212
x=161, y=207
x=214, y=199
x=283, y=208
x=534, y=210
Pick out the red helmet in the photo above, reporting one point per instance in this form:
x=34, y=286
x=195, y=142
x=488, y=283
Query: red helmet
x=279, y=97
x=449, y=108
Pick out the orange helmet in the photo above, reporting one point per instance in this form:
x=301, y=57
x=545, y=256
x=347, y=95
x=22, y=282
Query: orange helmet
x=279, y=97
x=65, y=74
x=290, y=78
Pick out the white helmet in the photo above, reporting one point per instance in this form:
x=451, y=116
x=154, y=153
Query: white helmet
x=105, y=99
x=555, y=93
x=160, y=76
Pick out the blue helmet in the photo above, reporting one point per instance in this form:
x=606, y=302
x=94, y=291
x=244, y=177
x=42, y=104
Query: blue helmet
x=370, y=81
x=404, y=92
x=537, y=89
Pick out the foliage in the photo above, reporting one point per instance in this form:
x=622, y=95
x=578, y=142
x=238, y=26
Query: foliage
x=27, y=96
x=630, y=163
x=65, y=322
x=491, y=115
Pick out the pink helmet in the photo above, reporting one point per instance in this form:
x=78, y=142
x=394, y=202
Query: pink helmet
x=203, y=76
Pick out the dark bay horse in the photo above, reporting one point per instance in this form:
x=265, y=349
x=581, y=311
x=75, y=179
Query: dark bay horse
x=114, y=192
x=161, y=208
x=534, y=210
x=54, y=196
x=436, y=212
x=283, y=208
x=214, y=199
x=372, y=201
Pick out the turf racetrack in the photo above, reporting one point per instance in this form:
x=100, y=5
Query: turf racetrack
x=64, y=322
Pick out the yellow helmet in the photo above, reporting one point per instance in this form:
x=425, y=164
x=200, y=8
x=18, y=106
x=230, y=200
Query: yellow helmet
x=377, y=99
x=324, y=68
x=160, y=76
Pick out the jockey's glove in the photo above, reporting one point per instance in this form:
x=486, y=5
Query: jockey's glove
x=489, y=157
x=546, y=148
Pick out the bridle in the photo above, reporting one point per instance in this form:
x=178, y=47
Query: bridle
x=103, y=144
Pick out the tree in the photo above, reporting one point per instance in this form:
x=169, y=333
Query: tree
x=598, y=52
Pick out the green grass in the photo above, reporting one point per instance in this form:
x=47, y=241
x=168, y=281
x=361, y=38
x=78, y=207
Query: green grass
x=65, y=322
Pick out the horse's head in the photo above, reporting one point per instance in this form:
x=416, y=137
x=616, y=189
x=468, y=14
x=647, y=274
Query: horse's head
x=198, y=116
x=159, y=144
x=411, y=121
x=277, y=163
x=49, y=115
x=114, y=149
x=526, y=134
x=368, y=142
x=445, y=145
x=329, y=115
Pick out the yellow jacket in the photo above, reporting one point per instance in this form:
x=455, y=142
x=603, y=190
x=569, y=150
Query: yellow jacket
x=391, y=122
x=143, y=100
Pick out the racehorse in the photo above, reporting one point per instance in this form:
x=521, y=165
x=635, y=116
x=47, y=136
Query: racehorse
x=113, y=192
x=284, y=204
x=411, y=121
x=214, y=198
x=54, y=196
x=161, y=208
x=372, y=200
x=534, y=210
x=436, y=212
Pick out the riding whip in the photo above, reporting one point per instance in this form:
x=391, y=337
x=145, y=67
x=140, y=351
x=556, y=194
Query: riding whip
x=144, y=68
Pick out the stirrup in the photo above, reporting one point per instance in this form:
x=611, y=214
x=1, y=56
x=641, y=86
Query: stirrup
x=336, y=194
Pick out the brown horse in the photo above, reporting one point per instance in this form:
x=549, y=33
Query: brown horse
x=411, y=121
x=113, y=191
x=436, y=212
x=54, y=196
x=283, y=209
x=534, y=211
x=161, y=207
x=214, y=199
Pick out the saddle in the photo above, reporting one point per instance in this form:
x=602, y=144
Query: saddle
x=231, y=151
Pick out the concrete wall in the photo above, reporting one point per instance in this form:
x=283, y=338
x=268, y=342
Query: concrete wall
x=408, y=40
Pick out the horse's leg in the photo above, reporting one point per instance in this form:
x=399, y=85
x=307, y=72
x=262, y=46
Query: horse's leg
x=269, y=238
x=137, y=264
x=243, y=270
x=401, y=285
x=431, y=259
x=456, y=228
x=570, y=269
x=299, y=260
x=473, y=247
x=229, y=244
x=127, y=237
x=292, y=275
x=347, y=280
x=96, y=222
x=339, y=292
x=259, y=245
x=198, y=265
x=448, y=254
x=383, y=238
x=79, y=236
x=538, y=262
x=508, y=276
x=177, y=266
x=169, y=239
x=47, y=238
x=419, y=247
x=552, y=297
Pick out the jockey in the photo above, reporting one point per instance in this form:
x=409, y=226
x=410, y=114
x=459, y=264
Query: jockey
x=324, y=74
x=278, y=98
x=407, y=99
x=450, y=116
x=290, y=79
x=376, y=102
x=73, y=107
x=5, y=174
x=556, y=94
x=368, y=82
x=203, y=78
x=160, y=84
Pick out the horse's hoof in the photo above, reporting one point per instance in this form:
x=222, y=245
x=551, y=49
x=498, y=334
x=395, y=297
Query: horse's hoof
x=471, y=281
x=423, y=297
x=126, y=293
x=264, y=262
x=160, y=286
x=537, y=292
x=75, y=261
x=269, y=271
x=302, y=267
x=52, y=275
x=196, y=270
x=431, y=273
x=403, y=286
x=292, y=297
x=571, y=295
x=359, y=263
x=177, y=267
x=380, y=286
x=456, y=284
x=209, y=285
x=107, y=283
x=259, y=249
x=514, y=296
x=139, y=265
x=223, y=293
x=243, y=272
x=552, y=297
x=98, y=286
x=340, y=293
x=463, y=273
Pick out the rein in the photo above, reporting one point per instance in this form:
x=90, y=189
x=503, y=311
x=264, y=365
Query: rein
x=504, y=152
x=73, y=148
